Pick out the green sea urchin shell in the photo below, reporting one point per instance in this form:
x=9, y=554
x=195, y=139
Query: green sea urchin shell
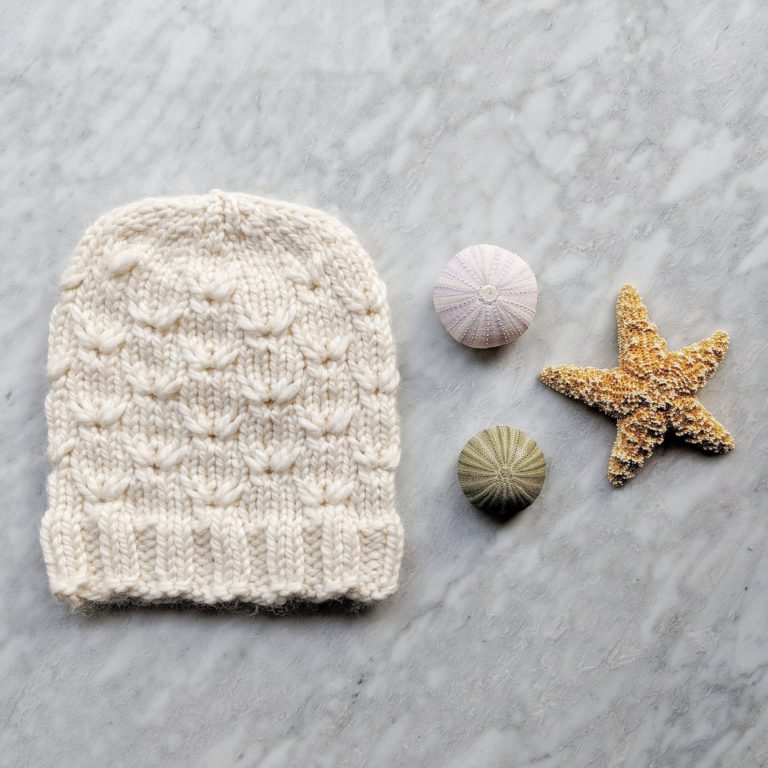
x=501, y=470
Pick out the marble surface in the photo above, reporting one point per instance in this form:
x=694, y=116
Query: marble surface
x=606, y=143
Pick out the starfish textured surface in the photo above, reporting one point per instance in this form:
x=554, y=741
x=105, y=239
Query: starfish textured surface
x=650, y=392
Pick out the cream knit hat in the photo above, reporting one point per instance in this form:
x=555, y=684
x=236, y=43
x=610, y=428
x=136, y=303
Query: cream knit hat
x=221, y=414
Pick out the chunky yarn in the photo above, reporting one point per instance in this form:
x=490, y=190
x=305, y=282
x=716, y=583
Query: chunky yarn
x=221, y=413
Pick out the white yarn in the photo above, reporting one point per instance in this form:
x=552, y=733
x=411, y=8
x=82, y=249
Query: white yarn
x=221, y=413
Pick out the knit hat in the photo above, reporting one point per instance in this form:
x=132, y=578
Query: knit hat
x=222, y=419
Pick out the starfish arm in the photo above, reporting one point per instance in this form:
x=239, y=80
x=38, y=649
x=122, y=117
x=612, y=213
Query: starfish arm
x=640, y=344
x=691, y=421
x=698, y=362
x=636, y=437
x=610, y=391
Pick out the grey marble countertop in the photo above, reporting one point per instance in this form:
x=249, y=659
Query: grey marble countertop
x=606, y=142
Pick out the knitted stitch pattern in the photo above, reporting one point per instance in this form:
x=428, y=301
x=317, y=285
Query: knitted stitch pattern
x=221, y=409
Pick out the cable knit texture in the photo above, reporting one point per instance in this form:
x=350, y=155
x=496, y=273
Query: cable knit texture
x=222, y=409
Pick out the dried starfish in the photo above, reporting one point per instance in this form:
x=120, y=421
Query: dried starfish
x=651, y=391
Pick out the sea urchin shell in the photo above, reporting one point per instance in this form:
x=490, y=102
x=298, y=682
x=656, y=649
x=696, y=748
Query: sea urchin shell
x=485, y=296
x=501, y=470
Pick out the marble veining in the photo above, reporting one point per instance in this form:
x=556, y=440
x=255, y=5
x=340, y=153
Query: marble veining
x=606, y=143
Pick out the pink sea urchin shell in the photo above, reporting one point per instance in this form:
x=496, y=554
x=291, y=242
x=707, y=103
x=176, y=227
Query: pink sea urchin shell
x=485, y=296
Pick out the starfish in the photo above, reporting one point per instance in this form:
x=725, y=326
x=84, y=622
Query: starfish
x=650, y=392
